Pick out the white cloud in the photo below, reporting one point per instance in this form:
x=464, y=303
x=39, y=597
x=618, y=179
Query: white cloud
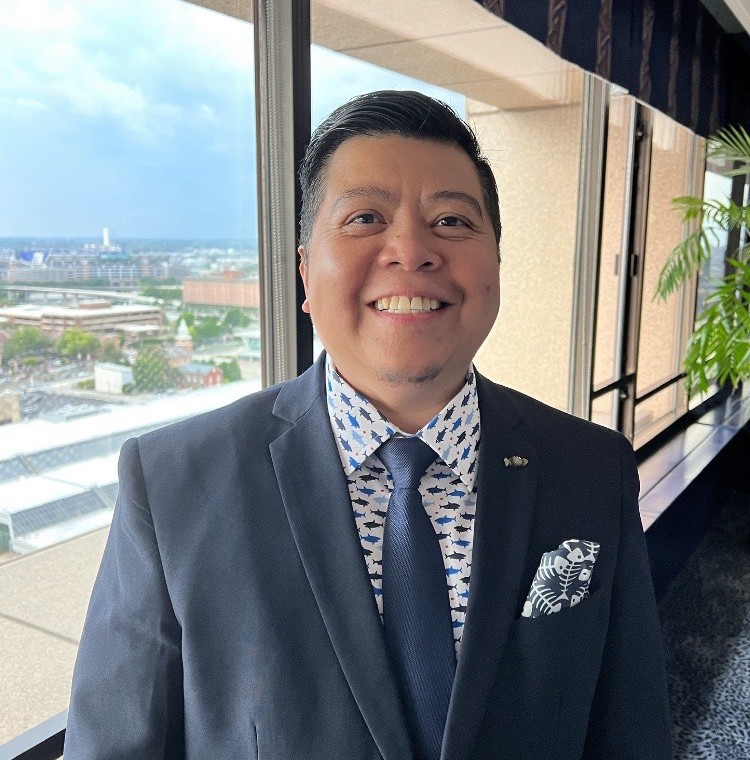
x=130, y=61
x=30, y=104
x=337, y=77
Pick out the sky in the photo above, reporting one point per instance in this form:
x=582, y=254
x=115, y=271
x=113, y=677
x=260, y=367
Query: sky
x=138, y=115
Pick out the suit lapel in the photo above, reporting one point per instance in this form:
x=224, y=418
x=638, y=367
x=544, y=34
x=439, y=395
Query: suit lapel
x=505, y=505
x=315, y=494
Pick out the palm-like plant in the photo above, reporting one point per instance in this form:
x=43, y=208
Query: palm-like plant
x=719, y=348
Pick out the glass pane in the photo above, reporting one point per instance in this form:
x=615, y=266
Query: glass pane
x=129, y=258
x=716, y=187
x=655, y=413
x=525, y=104
x=613, y=224
x=660, y=347
x=604, y=410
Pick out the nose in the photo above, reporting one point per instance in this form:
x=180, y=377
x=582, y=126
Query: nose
x=409, y=245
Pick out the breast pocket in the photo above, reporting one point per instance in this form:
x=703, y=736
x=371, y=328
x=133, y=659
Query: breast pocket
x=546, y=679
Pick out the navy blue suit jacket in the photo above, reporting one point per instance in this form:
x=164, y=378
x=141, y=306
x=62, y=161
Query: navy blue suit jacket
x=233, y=616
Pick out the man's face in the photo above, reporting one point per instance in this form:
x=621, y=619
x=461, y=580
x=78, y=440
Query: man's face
x=401, y=229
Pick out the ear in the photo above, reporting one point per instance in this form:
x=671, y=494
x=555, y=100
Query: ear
x=303, y=274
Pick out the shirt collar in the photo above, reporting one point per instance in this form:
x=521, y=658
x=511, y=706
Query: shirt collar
x=359, y=428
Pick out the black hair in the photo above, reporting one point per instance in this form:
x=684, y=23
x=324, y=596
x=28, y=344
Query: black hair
x=389, y=112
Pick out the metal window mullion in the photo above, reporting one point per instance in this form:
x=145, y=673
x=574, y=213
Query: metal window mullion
x=282, y=118
x=638, y=223
x=624, y=260
x=588, y=239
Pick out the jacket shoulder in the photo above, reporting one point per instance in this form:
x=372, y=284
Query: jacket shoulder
x=250, y=417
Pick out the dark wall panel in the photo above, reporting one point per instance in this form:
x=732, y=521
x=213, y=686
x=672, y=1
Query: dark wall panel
x=671, y=54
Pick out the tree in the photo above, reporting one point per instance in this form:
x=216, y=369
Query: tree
x=231, y=370
x=111, y=353
x=189, y=318
x=74, y=342
x=235, y=317
x=719, y=348
x=25, y=341
x=151, y=370
x=207, y=330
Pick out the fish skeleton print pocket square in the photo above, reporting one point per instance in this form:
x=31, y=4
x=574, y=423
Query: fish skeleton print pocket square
x=562, y=578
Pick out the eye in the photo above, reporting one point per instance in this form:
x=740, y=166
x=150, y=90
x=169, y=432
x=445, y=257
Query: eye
x=452, y=221
x=365, y=217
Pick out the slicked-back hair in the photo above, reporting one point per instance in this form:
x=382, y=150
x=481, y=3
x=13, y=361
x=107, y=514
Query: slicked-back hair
x=389, y=112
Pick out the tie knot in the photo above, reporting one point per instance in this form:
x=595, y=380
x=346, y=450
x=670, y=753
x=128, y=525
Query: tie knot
x=406, y=459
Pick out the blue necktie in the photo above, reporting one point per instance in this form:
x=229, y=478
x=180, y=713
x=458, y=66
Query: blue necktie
x=416, y=610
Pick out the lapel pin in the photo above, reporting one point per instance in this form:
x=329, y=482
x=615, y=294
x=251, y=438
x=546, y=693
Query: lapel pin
x=515, y=461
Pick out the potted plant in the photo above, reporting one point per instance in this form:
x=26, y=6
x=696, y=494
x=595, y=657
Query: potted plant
x=719, y=348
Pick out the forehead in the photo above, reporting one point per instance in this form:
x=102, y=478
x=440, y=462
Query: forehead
x=400, y=164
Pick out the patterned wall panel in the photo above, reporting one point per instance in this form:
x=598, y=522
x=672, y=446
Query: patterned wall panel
x=670, y=53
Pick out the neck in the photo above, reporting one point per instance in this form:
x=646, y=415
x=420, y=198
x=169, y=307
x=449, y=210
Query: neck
x=409, y=406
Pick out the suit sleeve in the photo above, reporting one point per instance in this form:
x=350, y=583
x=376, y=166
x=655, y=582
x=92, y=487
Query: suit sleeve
x=629, y=717
x=126, y=699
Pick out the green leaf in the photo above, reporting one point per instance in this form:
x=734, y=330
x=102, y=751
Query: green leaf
x=687, y=258
x=731, y=144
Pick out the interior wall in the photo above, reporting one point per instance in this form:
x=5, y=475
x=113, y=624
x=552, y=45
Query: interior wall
x=535, y=156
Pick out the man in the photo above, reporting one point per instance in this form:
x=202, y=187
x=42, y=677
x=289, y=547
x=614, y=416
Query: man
x=270, y=588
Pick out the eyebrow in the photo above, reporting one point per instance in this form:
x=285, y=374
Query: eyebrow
x=374, y=191
x=365, y=191
x=458, y=195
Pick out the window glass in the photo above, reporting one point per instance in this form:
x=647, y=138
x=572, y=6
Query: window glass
x=604, y=409
x=658, y=411
x=613, y=248
x=525, y=105
x=716, y=187
x=661, y=344
x=128, y=285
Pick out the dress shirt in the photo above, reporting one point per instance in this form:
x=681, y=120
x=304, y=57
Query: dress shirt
x=447, y=488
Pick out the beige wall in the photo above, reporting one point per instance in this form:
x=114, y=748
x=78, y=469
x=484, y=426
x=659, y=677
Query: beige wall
x=535, y=156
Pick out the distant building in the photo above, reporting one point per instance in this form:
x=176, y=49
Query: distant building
x=10, y=407
x=91, y=316
x=110, y=378
x=178, y=355
x=226, y=289
x=201, y=375
x=182, y=350
x=108, y=263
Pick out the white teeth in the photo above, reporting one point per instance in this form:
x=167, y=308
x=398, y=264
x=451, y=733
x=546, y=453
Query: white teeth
x=404, y=305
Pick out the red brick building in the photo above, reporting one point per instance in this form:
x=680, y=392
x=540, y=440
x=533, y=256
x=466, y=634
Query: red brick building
x=201, y=375
x=225, y=289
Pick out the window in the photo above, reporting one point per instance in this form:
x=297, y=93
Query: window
x=525, y=105
x=129, y=274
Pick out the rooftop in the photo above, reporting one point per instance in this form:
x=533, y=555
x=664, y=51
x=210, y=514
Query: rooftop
x=70, y=312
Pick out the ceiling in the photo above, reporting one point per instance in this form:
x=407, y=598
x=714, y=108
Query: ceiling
x=455, y=44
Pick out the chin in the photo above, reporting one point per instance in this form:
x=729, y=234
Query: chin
x=402, y=376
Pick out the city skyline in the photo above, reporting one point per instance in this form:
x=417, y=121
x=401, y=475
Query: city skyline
x=139, y=115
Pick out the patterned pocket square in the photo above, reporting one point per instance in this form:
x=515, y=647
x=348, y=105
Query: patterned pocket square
x=562, y=579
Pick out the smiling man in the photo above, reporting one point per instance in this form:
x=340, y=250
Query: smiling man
x=406, y=286
x=389, y=556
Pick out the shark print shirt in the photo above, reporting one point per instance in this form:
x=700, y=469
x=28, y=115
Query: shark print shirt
x=447, y=487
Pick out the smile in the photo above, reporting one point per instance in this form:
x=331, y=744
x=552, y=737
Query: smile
x=406, y=305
